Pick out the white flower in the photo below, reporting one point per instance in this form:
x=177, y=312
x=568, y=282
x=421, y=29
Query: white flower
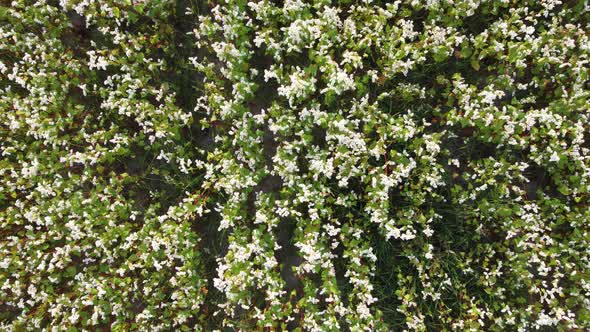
x=428, y=254
x=300, y=86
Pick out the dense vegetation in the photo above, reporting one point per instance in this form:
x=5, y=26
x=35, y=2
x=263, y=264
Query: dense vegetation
x=324, y=165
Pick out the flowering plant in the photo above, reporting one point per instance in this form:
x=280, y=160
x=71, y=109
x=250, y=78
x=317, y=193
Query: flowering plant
x=297, y=165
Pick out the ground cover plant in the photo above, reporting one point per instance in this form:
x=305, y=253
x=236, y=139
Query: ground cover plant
x=294, y=165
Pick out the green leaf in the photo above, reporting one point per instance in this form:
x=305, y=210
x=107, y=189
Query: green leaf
x=441, y=53
x=475, y=63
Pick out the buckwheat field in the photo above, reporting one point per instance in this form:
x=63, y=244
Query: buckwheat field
x=294, y=165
